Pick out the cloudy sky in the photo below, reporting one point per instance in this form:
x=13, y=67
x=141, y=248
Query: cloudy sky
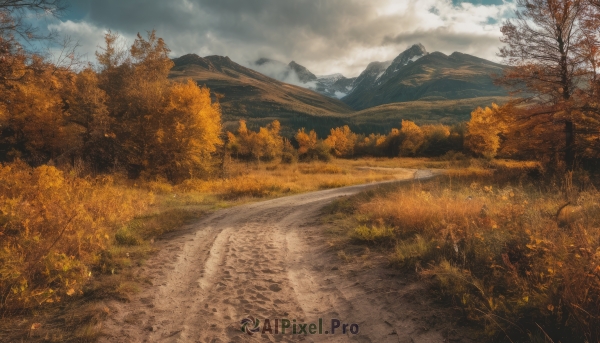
x=326, y=36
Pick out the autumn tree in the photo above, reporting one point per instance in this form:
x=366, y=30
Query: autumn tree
x=269, y=141
x=482, y=137
x=437, y=140
x=19, y=34
x=189, y=133
x=146, y=90
x=546, y=51
x=306, y=141
x=310, y=147
x=30, y=101
x=35, y=124
x=371, y=145
x=160, y=127
x=342, y=141
x=412, y=137
x=265, y=144
x=288, y=153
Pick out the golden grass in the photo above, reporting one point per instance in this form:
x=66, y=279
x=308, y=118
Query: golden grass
x=499, y=249
x=268, y=180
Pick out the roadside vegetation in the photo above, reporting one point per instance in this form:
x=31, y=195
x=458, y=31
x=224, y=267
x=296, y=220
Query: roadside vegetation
x=515, y=255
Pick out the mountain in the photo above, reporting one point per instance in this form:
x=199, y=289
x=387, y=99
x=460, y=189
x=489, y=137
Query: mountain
x=368, y=78
x=251, y=95
x=418, y=75
x=408, y=56
x=413, y=75
x=334, y=86
x=304, y=75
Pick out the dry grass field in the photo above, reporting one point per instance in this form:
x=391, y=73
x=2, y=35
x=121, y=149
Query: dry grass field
x=516, y=255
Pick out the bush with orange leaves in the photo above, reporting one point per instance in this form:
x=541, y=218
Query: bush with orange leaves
x=52, y=228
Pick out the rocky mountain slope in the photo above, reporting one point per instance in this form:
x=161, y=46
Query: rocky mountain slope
x=418, y=75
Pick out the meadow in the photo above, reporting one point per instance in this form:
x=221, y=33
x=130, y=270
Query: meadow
x=512, y=249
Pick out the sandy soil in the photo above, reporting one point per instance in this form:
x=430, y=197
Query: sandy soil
x=271, y=260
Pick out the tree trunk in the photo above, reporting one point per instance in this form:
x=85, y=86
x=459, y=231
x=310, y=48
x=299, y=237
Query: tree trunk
x=569, y=145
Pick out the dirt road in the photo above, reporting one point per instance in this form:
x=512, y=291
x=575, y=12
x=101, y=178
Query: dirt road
x=270, y=260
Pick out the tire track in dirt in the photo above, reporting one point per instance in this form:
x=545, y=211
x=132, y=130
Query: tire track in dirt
x=266, y=260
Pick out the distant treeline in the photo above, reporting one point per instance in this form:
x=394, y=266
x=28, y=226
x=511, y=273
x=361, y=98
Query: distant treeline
x=410, y=140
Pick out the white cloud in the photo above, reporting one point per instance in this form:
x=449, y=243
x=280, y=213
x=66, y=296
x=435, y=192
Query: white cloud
x=88, y=36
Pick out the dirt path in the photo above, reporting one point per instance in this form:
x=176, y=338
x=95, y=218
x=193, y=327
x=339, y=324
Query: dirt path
x=269, y=260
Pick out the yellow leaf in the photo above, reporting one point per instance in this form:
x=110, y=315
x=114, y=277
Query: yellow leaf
x=36, y=326
x=70, y=292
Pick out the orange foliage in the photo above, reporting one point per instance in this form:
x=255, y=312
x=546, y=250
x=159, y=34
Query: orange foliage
x=266, y=144
x=306, y=141
x=483, y=130
x=342, y=141
x=53, y=228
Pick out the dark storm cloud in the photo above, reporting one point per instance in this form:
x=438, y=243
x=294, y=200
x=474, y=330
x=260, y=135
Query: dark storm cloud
x=324, y=35
x=283, y=25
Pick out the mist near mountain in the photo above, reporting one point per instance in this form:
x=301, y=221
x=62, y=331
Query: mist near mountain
x=334, y=86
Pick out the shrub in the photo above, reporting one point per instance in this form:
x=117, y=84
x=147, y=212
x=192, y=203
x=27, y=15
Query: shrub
x=53, y=228
x=124, y=236
x=289, y=154
x=319, y=152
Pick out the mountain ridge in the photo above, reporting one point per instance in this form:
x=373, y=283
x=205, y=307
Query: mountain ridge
x=425, y=76
x=414, y=74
